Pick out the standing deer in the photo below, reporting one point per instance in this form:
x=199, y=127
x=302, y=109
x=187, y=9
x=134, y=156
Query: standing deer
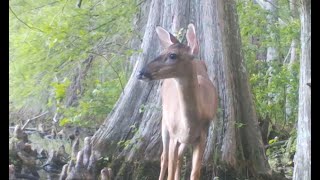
x=189, y=101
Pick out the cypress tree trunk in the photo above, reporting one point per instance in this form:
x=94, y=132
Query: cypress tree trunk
x=302, y=159
x=131, y=134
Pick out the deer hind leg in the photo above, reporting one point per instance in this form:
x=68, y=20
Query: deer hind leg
x=182, y=148
x=198, y=151
x=173, y=157
x=165, y=151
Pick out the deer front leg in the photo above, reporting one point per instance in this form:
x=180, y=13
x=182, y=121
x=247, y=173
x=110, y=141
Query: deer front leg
x=197, y=156
x=173, y=156
x=164, y=155
x=182, y=148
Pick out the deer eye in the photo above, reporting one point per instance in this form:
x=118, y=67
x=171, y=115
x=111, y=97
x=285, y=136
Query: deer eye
x=173, y=56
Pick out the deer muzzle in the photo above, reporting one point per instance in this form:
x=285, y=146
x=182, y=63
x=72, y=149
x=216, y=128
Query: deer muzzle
x=144, y=75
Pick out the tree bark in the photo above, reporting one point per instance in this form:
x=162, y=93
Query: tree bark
x=132, y=131
x=302, y=159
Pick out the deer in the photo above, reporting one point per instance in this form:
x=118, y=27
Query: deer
x=189, y=101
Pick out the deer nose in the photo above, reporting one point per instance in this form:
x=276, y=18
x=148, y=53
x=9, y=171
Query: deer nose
x=140, y=75
x=143, y=74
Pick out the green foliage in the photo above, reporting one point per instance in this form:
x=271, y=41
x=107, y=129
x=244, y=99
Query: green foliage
x=239, y=125
x=96, y=103
x=280, y=156
x=126, y=143
x=273, y=140
x=271, y=90
x=49, y=40
x=274, y=84
x=153, y=107
x=60, y=89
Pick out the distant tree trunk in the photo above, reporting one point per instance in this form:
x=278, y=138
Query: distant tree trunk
x=271, y=6
x=293, y=59
x=75, y=90
x=293, y=4
x=132, y=132
x=302, y=159
x=272, y=50
x=293, y=54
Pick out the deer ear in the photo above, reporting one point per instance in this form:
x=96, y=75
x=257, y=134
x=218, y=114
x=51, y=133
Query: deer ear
x=192, y=39
x=165, y=37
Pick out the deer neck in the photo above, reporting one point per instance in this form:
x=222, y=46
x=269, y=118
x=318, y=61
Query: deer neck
x=187, y=87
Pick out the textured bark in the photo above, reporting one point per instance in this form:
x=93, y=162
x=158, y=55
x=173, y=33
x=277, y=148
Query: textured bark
x=83, y=166
x=302, y=159
x=129, y=135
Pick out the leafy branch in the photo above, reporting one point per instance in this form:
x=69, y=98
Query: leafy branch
x=30, y=27
x=110, y=64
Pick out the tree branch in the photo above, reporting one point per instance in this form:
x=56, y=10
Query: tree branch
x=286, y=58
x=30, y=27
x=29, y=120
x=25, y=129
x=112, y=69
x=54, y=119
x=46, y=5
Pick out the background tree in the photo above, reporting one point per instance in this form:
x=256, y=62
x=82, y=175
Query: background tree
x=302, y=159
x=131, y=132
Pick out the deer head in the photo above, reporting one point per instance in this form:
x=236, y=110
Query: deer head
x=175, y=60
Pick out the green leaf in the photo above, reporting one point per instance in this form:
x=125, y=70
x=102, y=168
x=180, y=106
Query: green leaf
x=239, y=125
x=64, y=121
